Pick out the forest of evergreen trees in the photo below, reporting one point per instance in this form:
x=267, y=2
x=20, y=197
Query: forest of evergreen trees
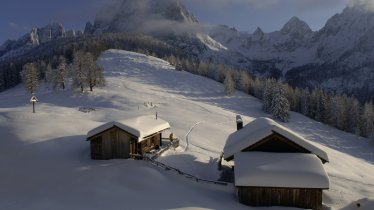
x=83, y=71
x=51, y=52
x=338, y=110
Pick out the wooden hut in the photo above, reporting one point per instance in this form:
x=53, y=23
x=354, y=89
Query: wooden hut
x=126, y=139
x=276, y=167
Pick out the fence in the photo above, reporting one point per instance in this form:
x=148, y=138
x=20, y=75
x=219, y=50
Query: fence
x=187, y=175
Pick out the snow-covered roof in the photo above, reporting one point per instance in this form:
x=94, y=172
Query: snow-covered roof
x=139, y=127
x=286, y=170
x=261, y=128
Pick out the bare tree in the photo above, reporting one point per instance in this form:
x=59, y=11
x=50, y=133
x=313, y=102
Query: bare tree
x=229, y=84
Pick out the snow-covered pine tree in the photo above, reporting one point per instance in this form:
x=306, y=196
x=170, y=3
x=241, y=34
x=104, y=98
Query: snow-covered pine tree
x=268, y=95
x=295, y=99
x=50, y=76
x=229, y=84
x=30, y=77
x=304, y=101
x=258, y=88
x=62, y=73
x=280, y=106
x=341, y=112
x=95, y=75
x=367, y=120
x=79, y=71
x=42, y=68
x=353, y=115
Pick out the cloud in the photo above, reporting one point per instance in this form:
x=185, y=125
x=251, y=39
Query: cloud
x=221, y=4
x=266, y=4
x=365, y=4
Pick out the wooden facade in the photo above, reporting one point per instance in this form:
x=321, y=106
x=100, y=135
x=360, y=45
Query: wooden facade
x=115, y=143
x=267, y=196
x=276, y=143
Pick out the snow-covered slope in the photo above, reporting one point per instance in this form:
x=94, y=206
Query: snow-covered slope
x=45, y=164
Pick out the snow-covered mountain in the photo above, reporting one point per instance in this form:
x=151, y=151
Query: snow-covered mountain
x=337, y=57
x=149, y=16
x=35, y=37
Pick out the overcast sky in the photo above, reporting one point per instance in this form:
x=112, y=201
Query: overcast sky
x=18, y=16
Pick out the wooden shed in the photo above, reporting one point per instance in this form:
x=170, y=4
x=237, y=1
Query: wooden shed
x=126, y=139
x=274, y=166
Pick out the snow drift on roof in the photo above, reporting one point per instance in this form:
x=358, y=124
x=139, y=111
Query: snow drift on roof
x=140, y=126
x=286, y=170
x=259, y=129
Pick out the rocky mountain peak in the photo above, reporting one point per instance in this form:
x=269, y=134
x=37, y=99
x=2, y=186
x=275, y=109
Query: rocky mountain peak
x=296, y=26
x=141, y=16
x=258, y=34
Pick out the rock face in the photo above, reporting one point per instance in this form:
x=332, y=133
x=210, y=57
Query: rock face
x=150, y=16
x=37, y=36
x=337, y=57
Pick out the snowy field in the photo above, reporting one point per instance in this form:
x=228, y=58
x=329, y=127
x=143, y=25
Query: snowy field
x=45, y=163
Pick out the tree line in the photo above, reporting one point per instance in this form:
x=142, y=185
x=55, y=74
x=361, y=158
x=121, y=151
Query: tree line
x=50, y=52
x=83, y=72
x=338, y=110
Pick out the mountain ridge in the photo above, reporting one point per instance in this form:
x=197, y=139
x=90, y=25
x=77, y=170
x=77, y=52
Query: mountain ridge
x=296, y=52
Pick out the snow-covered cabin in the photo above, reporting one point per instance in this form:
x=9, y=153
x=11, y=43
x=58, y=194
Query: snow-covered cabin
x=126, y=138
x=266, y=135
x=274, y=166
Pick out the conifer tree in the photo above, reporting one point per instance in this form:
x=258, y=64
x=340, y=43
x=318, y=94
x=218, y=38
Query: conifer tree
x=268, y=95
x=79, y=71
x=62, y=73
x=367, y=120
x=30, y=77
x=304, y=101
x=280, y=106
x=95, y=75
x=50, y=76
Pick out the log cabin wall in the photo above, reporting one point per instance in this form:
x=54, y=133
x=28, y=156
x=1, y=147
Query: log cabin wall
x=291, y=197
x=112, y=143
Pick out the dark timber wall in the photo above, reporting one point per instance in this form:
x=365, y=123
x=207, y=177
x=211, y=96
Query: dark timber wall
x=116, y=143
x=267, y=196
x=112, y=143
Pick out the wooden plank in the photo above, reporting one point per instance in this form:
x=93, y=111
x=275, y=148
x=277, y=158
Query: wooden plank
x=301, y=198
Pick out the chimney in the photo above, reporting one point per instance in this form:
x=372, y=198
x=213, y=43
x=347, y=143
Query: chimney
x=239, y=122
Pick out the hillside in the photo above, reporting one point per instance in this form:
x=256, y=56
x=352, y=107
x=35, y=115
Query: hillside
x=45, y=158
